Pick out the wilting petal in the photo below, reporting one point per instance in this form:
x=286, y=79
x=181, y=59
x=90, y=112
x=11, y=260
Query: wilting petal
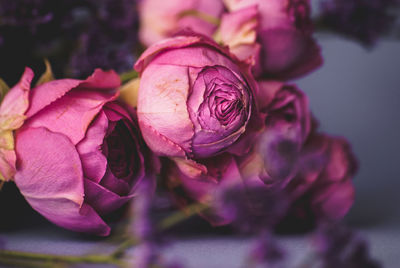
x=16, y=102
x=73, y=113
x=102, y=80
x=47, y=93
x=7, y=164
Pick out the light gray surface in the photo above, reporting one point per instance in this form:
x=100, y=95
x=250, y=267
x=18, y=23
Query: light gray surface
x=356, y=94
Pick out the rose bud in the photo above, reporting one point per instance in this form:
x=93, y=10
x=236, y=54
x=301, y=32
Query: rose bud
x=160, y=19
x=195, y=100
x=323, y=189
x=80, y=154
x=283, y=47
x=275, y=156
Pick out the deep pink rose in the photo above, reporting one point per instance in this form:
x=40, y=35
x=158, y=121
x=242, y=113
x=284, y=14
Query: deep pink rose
x=80, y=154
x=160, y=19
x=323, y=188
x=195, y=100
x=276, y=34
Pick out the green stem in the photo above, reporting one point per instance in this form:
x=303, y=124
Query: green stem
x=120, y=250
x=28, y=259
x=180, y=216
x=27, y=256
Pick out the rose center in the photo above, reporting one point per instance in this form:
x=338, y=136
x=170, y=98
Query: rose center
x=121, y=150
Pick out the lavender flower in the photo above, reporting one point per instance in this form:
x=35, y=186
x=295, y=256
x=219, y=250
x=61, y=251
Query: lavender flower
x=338, y=246
x=363, y=20
x=266, y=253
x=253, y=208
x=110, y=40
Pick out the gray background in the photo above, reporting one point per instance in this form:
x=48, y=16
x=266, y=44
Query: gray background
x=355, y=94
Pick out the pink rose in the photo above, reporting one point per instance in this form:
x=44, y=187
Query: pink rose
x=275, y=34
x=196, y=105
x=80, y=153
x=160, y=19
x=195, y=100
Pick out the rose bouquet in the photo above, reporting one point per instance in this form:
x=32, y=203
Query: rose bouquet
x=210, y=119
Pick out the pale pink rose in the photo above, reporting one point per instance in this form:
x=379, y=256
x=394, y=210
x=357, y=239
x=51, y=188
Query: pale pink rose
x=160, y=19
x=195, y=100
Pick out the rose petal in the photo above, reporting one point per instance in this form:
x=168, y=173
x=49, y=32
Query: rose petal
x=94, y=162
x=47, y=93
x=16, y=102
x=73, y=113
x=101, y=199
x=335, y=201
x=114, y=184
x=49, y=175
x=48, y=166
x=162, y=104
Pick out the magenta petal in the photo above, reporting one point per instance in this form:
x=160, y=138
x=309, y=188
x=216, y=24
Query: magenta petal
x=115, y=112
x=73, y=113
x=102, y=80
x=47, y=93
x=102, y=199
x=114, y=184
x=69, y=215
x=48, y=167
x=49, y=175
x=93, y=161
x=335, y=201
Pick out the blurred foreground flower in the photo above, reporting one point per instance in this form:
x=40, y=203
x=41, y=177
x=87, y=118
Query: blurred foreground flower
x=79, y=153
x=338, y=246
x=322, y=190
